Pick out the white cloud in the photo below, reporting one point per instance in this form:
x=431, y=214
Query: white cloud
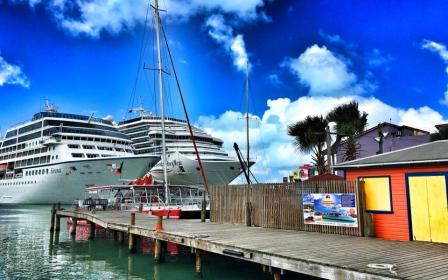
x=334, y=39
x=438, y=48
x=12, y=74
x=376, y=59
x=223, y=34
x=274, y=150
x=94, y=16
x=324, y=73
x=441, y=50
x=274, y=80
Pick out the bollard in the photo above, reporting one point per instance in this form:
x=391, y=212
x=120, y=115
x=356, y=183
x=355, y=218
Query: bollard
x=159, y=224
x=198, y=263
x=53, y=213
x=75, y=225
x=130, y=235
x=92, y=230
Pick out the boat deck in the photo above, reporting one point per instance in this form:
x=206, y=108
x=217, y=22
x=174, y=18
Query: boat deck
x=328, y=256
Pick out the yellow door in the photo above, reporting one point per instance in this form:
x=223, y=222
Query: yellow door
x=429, y=208
x=419, y=208
x=438, y=208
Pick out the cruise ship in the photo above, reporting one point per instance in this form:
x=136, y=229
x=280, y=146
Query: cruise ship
x=54, y=156
x=145, y=131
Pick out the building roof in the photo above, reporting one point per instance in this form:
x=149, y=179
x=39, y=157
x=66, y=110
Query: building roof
x=325, y=177
x=393, y=125
x=432, y=152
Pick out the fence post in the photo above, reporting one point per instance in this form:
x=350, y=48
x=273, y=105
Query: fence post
x=248, y=213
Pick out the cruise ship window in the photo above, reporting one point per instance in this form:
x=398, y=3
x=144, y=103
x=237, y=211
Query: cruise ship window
x=46, y=171
x=92, y=155
x=56, y=156
x=77, y=155
x=52, y=157
x=88, y=147
x=73, y=146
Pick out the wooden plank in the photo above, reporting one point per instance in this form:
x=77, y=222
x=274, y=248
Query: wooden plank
x=323, y=255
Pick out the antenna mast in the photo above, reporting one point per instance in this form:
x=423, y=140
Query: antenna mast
x=162, y=114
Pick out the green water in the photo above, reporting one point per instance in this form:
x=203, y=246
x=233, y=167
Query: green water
x=28, y=251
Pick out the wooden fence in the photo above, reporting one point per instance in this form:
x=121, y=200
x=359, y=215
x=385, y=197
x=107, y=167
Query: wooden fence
x=279, y=205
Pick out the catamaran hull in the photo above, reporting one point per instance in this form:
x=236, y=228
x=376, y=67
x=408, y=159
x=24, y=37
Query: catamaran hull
x=67, y=181
x=182, y=170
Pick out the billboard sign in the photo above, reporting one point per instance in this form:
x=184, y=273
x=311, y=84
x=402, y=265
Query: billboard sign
x=332, y=209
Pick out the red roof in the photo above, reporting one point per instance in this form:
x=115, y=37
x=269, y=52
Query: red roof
x=326, y=177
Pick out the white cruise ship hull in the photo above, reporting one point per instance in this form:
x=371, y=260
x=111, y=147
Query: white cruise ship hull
x=183, y=170
x=66, y=181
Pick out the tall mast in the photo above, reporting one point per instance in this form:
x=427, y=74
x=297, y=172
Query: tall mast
x=247, y=115
x=162, y=113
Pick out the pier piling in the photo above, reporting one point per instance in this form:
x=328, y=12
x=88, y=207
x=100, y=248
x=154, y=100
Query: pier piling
x=198, y=262
x=277, y=274
x=130, y=235
x=92, y=230
x=74, y=226
x=57, y=219
x=53, y=215
x=157, y=251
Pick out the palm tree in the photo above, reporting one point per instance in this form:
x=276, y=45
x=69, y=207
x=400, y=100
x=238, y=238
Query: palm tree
x=309, y=136
x=350, y=122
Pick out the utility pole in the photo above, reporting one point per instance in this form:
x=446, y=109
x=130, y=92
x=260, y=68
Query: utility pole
x=329, y=154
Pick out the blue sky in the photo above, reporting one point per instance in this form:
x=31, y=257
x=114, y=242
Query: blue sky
x=305, y=58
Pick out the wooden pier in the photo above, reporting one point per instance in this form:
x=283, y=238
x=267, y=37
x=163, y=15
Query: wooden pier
x=328, y=256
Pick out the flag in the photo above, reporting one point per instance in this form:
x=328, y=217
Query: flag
x=118, y=171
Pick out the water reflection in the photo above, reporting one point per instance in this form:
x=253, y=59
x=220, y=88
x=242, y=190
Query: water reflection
x=29, y=250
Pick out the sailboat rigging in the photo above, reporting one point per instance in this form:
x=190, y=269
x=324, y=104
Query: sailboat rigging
x=159, y=27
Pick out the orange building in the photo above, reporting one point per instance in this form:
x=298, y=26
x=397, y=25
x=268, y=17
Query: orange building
x=406, y=191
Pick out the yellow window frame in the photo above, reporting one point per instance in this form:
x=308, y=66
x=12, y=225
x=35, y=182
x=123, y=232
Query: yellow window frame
x=377, y=194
